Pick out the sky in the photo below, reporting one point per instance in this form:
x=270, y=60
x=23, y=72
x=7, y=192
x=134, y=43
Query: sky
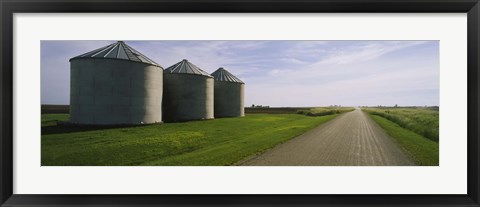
x=283, y=73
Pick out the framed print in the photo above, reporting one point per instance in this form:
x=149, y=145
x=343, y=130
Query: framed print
x=263, y=103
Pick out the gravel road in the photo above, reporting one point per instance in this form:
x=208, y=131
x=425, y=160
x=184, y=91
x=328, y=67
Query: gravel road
x=351, y=139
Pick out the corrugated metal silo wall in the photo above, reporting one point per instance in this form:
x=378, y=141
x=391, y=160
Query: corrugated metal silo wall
x=106, y=91
x=229, y=99
x=187, y=97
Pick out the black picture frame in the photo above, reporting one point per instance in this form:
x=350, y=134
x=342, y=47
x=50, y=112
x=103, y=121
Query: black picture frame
x=9, y=7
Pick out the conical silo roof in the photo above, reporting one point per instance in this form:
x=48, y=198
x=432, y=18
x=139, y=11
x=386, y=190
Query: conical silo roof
x=187, y=68
x=223, y=75
x=118, y=50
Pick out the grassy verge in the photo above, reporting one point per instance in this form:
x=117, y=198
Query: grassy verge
x=422, y=150
x=421, y=120
x=205, y=143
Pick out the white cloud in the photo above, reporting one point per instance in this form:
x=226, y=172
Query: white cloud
x=366, y=52
x=293, y=60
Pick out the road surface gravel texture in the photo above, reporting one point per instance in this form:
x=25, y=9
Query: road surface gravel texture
x=351, y=139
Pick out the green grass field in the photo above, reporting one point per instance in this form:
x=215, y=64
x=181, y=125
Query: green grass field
x=422, y=120
x=207, y=143
x=422, y=150
x=414, y=129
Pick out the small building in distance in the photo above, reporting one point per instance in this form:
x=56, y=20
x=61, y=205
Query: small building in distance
x=114, y=85
x=188, y=93
x=229, y=94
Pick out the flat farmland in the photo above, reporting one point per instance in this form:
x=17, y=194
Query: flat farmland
x=275, y=110
x=198, y=143
x=421, y=120
x=286, y=136
x=55, y=109
x=415, y=129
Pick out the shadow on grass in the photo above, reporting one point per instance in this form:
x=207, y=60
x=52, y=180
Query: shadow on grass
x=60, y=129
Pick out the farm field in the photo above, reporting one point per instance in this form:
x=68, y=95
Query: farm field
x=309, y=111
x=322, y=111
x=423, y=121
x=274, y=110
x=55, y=109
x=207, y=143
x=414, y=129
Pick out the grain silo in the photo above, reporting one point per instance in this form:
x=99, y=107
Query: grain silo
x=228, y=94
x=115, y=84
x=188, y=93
